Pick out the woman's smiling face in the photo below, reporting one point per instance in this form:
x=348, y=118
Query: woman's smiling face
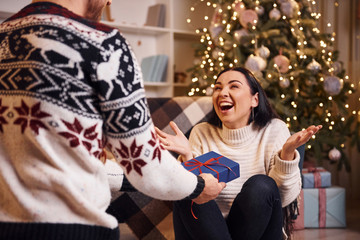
x=233, y=100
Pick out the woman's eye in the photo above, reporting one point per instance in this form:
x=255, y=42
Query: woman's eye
x=234, y=86
x=217, y=88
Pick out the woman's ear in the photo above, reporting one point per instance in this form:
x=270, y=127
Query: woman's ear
x=255, y=100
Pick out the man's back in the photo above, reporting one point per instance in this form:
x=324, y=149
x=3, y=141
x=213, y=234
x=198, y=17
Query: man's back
x=54, y=93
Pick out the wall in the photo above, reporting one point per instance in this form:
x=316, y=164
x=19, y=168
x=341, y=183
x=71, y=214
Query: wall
x=344, y=16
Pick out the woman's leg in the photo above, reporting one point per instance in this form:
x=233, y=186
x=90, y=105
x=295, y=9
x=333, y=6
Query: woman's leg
x=210, y=224
x=256, y=212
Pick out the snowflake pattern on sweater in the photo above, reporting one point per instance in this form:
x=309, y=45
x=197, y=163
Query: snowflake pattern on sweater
x=69, y=87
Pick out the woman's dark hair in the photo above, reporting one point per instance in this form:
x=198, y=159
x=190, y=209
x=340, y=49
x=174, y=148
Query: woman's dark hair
x=263, y=113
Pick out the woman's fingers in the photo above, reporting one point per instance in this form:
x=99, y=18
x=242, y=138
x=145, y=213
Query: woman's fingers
x=160, y=133
x=318, y=127
x=313, y=128
x=164, y=141
x=310, y=131
x=175, y=128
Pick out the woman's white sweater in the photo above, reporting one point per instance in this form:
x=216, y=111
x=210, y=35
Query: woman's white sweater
x=256, y=151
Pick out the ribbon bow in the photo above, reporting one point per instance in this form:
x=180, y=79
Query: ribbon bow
x=196, y=164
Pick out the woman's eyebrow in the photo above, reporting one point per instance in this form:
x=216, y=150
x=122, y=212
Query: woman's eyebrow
x=232, y=81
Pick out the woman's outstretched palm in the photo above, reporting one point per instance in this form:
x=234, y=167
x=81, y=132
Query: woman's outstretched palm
x=296, y=140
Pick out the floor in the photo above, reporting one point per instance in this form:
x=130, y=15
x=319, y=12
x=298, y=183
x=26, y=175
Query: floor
x=351, y=232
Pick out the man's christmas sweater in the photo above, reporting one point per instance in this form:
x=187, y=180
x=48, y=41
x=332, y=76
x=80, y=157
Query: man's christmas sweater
x=69, y=87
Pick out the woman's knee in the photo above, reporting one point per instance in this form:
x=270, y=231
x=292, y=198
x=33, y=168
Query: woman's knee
x=260, y=186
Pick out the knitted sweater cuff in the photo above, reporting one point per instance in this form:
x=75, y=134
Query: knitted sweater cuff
x=199, y=188
x=286, y=166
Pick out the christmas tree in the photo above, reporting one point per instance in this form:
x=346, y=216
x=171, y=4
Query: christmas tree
x=279, y=41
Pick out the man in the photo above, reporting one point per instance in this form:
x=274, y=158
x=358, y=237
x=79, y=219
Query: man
x=70, y=86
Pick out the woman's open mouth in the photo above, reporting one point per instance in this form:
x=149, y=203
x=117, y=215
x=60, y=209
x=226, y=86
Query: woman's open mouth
x=225, y=106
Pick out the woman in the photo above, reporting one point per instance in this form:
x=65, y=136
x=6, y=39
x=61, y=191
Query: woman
x=247, y=130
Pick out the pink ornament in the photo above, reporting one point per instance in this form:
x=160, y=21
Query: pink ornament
x=248, y=16
x=282, y=62
x=239, y=7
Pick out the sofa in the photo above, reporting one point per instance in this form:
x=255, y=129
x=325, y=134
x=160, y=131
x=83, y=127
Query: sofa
x=142, y=216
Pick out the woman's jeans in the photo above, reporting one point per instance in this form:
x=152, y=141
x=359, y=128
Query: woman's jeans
x=256, y=213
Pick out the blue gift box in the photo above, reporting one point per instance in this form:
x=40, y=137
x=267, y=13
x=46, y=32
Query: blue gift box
x=316, y=177
x=324, y=207
x=219, y=166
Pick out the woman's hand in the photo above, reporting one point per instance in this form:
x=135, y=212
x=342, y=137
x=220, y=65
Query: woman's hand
x=177, y=143
x=296, y=140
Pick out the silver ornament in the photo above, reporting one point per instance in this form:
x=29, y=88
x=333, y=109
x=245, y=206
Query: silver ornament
x=289, y=8
x=255, y=63
x=334, y=154
x=314, y=66
x=332, y=85
x=259, y=10
x=275, y=14
x=263, y=52
x=284, y=83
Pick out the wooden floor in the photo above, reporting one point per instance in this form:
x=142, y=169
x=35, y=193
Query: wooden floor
x=351, y=232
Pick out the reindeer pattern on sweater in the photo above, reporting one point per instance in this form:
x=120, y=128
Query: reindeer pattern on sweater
x=68, y=88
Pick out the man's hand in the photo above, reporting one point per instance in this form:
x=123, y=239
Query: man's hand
x=211, y=190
